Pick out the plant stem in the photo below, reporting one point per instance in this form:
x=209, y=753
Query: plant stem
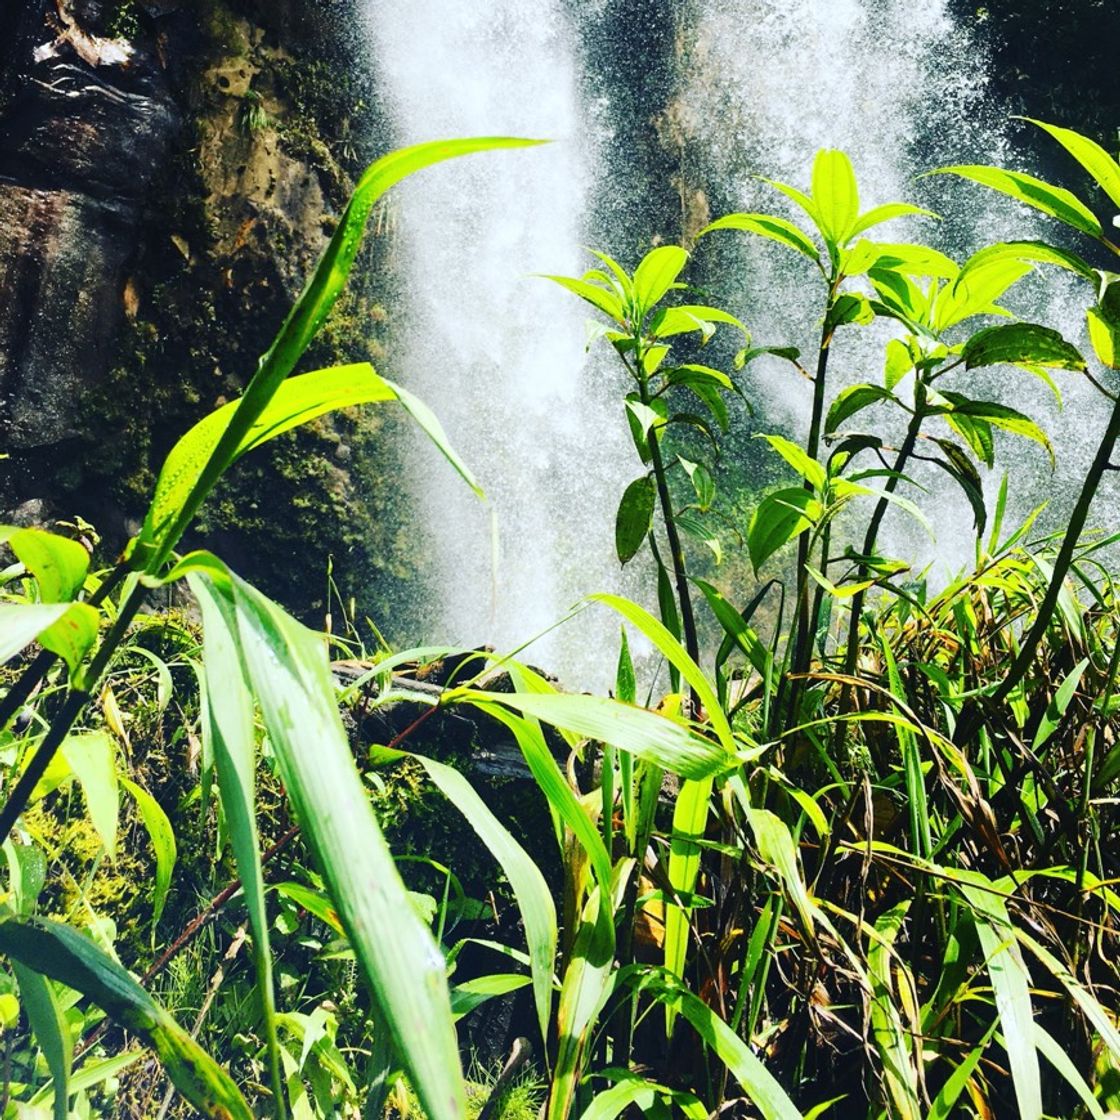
x=851, y=656
x=676, y=552
x=971, y=717
x=21, y=691
x=76, y=700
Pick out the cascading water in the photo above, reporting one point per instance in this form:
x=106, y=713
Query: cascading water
x=759, y=86
x=498, y=353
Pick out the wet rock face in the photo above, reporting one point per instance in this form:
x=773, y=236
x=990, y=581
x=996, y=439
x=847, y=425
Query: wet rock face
x=86, y=124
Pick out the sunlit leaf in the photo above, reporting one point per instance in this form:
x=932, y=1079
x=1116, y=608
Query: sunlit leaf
x=767, y=225
x=1021, y=342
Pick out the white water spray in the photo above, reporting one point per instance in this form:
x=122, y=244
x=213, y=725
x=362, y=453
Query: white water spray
x=496, y=352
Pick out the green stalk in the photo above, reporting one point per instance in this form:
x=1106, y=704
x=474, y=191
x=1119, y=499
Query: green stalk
x=676, y=551
x=60, y=726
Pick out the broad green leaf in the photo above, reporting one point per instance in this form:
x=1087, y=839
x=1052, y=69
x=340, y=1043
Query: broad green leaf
x=162, y=530
x=1055, y=201
x=1104, y=334
x=51, y=1031
x=92, y=758
x=915, y=260
x=63, y=954
x=1090, y=155
x=600, y=298
x=977, y=434
x=835, y=194
x=899, y=362
x=632, y=1091
x=645, y=734
x=779, y=518
x=975, y=290
x=1021, y=342
x=288, y=670
x=737, y=631
x=808, y=468
x=656, y=274
x=999, y=416
x=756, y=1081
x=1036, y=252
x=852, y=400
x=474, y=993
x=961, y=468
x=635, y=517
x=162, y=836
x=888, y=212
x=767, y=225
x=58, y=564
x=21, y=623
x=73, y=635
x=851, y=307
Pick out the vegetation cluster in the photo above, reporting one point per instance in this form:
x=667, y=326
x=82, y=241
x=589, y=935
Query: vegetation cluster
x=852, y=860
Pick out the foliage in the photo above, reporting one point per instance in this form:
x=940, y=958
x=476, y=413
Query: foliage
x=853, y=861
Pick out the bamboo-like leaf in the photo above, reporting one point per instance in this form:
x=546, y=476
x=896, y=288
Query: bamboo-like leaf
x=161, y=533
x=1056, y=1055
x=1055, y=201
x=945, y=1101
x=162, y=835
x=767, y=225
x=647, y=735
x=63, y=954
x=287, y=668
x=51, y=1031
x=999, y=416
x=605, y=301
x=796, y=457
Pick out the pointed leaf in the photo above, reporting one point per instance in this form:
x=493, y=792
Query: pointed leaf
x=635, y=517
x=656, y=274
x=1021, y=342
x=835, y=194
x=767, y=225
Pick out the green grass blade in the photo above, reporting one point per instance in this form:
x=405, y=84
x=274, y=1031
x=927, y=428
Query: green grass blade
x=51, y=1031
x=289, y=672
x=756, y=1080
x=690, y=820
x=1011, y=985
x=678, y=657
x=162, y=835
x=229, y=730
x=645, y=734
x=63, y=954
x=534, y=900
x=887, y=1032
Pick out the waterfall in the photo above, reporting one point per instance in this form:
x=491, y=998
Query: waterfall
x=498, y=353
x=759, y=86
